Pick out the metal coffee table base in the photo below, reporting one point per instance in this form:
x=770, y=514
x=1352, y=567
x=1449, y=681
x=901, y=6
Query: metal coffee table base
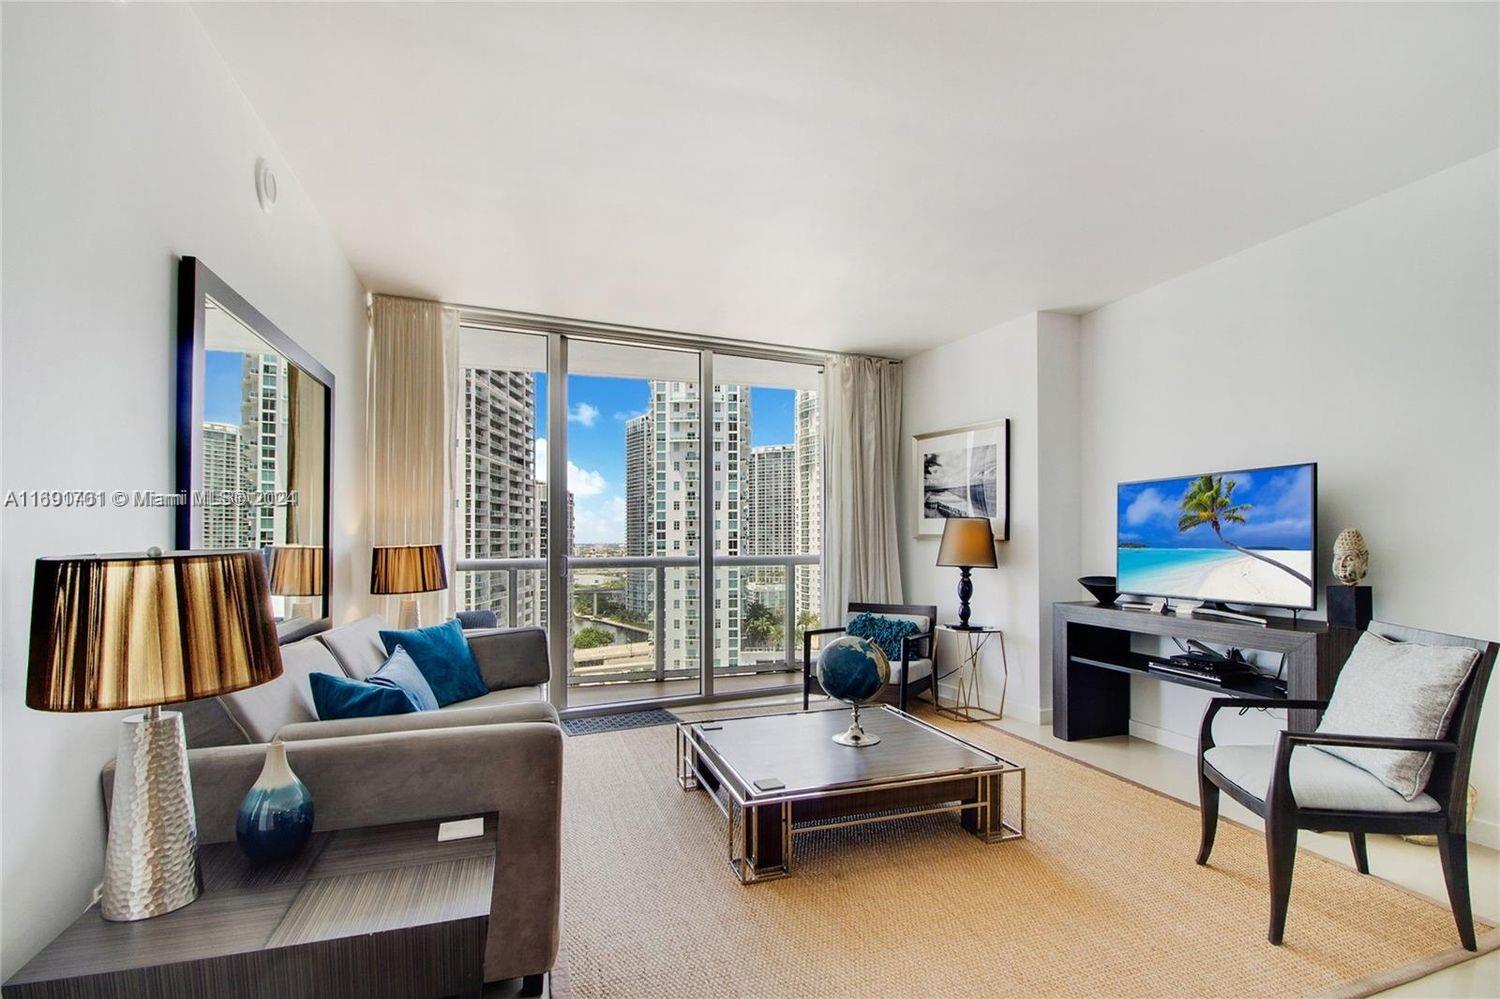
x=759, y=833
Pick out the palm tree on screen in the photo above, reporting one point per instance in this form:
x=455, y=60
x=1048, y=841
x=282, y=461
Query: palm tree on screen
x=1210, y=500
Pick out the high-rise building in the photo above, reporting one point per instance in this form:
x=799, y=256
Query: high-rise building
x=541, y=520
x=264, y=416
x=809, y=506
x=224, y=524
x=664, y=484
x=497, y=515
x=640, y=507
x=771, y=501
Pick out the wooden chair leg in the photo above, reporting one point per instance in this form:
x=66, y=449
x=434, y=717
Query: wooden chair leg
x=1453, y=849
x=1281, y=855
x=1208, y=813
x=1361, y=855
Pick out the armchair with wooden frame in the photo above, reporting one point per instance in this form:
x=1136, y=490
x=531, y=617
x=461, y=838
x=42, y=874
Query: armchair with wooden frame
x=1272, y=797
x=916, y=652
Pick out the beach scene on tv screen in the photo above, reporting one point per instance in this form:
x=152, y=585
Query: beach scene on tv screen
x=1235, y=537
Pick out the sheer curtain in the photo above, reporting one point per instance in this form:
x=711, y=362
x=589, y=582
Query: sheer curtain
x=413, y=388
x=861, y=455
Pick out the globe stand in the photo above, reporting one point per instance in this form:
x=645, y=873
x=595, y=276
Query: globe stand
x=854, y=735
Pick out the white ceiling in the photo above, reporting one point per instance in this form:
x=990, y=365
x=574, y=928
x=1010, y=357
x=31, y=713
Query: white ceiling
x=862, y=177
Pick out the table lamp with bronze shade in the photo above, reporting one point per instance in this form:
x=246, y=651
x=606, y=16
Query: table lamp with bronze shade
x=968, y=543
x=404, y=570
x=297, y=571
x=140, y=630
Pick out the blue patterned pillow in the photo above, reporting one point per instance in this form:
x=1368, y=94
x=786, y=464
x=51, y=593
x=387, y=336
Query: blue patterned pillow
x=886, y=632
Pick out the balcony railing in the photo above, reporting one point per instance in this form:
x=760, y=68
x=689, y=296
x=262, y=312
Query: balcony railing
x=625, y=599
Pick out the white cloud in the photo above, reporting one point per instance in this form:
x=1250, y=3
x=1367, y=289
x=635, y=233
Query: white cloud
x=625, y=417
x=581, y=481
x=583, y=413
x=599, y=520
x=585, y=482
x=1149, y=505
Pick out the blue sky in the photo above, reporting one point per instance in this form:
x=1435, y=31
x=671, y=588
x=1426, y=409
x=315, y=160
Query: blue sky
x=223, y=371
x=598, y=409
x=1280, y=514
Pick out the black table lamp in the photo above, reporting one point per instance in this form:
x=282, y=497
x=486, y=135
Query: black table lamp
x=968, y=543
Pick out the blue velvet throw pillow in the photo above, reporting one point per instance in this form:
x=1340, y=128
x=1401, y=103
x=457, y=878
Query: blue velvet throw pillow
x=341, y=697
x=400, y=673
x=442, y=654
x=886, y=632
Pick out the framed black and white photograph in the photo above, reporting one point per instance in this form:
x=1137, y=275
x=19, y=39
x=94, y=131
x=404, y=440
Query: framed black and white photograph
x=961, y=473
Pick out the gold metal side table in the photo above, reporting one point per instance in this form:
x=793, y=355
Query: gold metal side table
x=965, y=706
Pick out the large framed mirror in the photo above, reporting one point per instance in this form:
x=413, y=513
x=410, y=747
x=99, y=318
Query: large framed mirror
x=254, y=445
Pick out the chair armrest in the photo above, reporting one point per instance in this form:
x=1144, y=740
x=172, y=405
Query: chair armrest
x=511, y=657
x=1370, y=742
x=807, y=637
x=1206, y=727
x=908, y=645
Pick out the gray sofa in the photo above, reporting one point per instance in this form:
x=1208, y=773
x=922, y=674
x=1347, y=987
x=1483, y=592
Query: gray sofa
x=500, y=753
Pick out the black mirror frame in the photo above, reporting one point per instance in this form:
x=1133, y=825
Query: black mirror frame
x=195, y=284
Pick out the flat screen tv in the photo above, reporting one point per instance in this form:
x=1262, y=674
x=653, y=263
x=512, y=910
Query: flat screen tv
x=1243, y=537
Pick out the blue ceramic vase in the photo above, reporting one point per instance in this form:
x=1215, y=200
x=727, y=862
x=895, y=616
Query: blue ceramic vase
x=276, y=817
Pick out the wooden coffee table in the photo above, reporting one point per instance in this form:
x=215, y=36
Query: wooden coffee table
x=779, y=776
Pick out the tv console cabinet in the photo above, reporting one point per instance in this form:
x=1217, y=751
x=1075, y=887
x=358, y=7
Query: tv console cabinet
x=1092, y=663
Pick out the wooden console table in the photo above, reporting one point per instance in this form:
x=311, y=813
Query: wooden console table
x=378, y=911
x=1092, y=662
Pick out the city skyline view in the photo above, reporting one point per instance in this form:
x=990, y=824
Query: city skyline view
x=598, y=410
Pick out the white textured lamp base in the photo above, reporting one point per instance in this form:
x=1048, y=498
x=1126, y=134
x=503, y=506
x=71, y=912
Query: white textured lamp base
x=151, y=858
x=305, y=609
x=410, y=615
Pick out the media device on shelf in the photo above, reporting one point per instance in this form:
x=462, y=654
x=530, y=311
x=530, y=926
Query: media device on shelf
x=1244, y=537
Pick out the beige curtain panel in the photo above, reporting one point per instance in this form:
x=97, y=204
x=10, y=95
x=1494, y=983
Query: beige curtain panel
x=861, y=454
x=413, y=391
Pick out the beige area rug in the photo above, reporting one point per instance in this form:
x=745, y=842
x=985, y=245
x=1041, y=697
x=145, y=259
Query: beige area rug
x=1102, y=898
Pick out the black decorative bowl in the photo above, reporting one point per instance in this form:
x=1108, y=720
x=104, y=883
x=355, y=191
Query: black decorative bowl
x=1102, y=588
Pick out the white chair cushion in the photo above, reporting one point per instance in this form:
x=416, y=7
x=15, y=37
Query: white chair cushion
x=1318, y=780
x=919, y=669
x=1400, y=690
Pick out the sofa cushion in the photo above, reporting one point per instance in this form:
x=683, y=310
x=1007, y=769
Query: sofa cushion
x=442, y=654
x=1318, y=780
x=357, y=646
x=261, y=711
x=1399, y=690
x=458, y=716
x=337, y=697
x=510, y=695
x=401, y=673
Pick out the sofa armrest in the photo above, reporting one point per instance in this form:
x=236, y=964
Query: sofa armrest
x=511, y=771
x=511, y=657
x=498, y=714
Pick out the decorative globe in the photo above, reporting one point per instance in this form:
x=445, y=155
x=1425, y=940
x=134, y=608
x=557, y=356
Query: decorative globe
x=853, y=670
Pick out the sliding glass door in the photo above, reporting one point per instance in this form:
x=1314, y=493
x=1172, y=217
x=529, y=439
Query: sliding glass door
x=582, y=465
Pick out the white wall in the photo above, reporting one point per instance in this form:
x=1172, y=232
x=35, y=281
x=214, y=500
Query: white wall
x=1368, y=342
x=1025, y=370
x=126, y=143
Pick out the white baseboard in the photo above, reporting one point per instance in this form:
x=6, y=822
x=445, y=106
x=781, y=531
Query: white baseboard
x=1485, y=833
x=1160, y=736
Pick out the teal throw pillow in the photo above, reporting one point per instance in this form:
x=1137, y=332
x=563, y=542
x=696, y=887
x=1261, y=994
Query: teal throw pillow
x=400, y=673
x=442, y=654
x=886, y=632
x=341, y=697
